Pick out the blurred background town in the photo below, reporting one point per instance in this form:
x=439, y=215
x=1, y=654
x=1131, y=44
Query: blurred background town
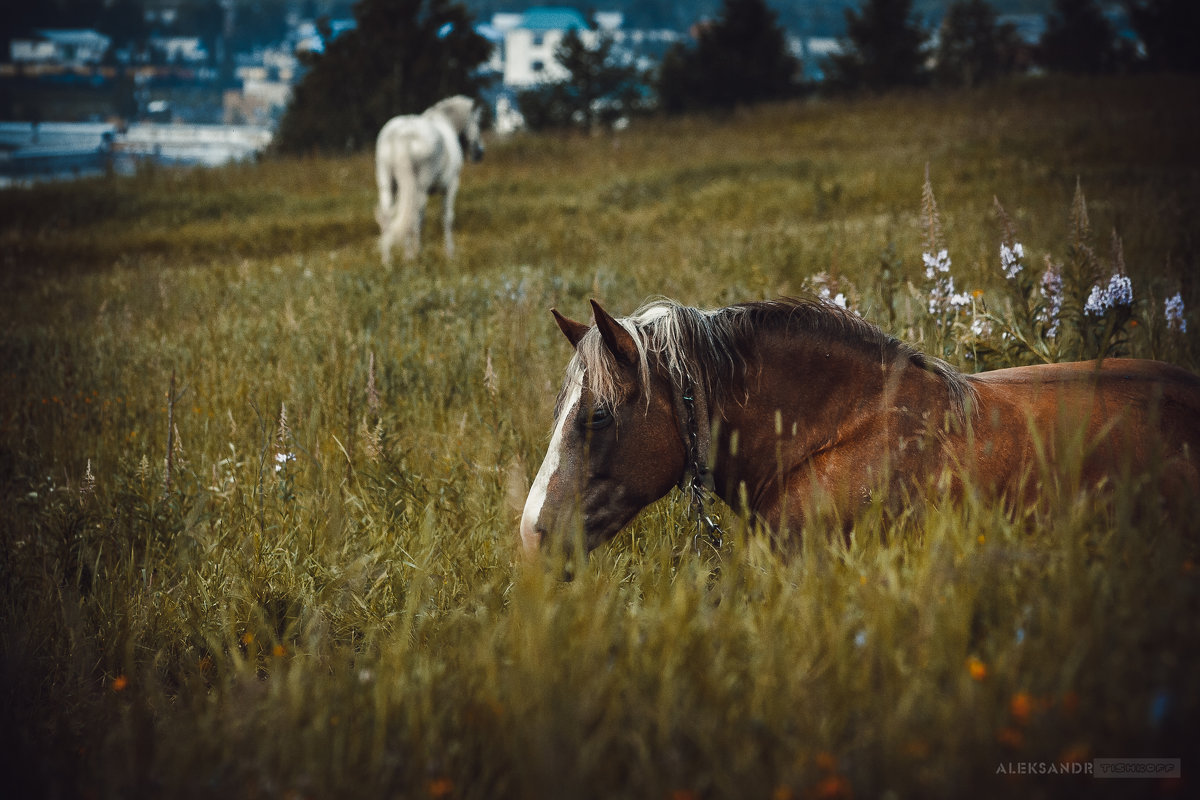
x=90, y=86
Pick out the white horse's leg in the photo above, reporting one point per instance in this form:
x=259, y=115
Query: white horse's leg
x=448, y=217
x=385, y=212
x=417, y=221
x=387, y=235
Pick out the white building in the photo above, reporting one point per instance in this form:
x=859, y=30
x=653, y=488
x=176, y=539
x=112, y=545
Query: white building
x=68, y=47
x=530, y=40
x=179, y=49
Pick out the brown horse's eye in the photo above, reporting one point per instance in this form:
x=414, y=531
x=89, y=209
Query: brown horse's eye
x=600, y=417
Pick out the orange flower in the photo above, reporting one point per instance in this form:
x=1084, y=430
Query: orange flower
x=441, y=787
x=782, y=793
x=279, y=651
x=1020, y=707
x=1011, y=738
x=834, y=787
x=1070, y=703
x=247, y=638
x=1075, y=754
x=917, y=748
x=119, y=683
x=977, y=669
x=684, y=794
x=826, y=762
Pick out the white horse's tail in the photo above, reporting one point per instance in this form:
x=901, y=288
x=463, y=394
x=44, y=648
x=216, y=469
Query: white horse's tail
x=397, y=210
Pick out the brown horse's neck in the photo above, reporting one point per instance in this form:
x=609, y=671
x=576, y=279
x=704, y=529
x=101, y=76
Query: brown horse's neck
x=812, y=412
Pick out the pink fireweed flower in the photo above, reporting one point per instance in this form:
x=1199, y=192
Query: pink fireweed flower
x=1173, y=311
x=1052, y=294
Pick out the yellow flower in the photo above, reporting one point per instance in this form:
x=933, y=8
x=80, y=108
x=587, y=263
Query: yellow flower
x=247, y=638
x=977, y=668
x=279, y=651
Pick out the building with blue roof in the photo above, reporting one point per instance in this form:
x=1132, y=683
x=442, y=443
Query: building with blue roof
x=530, y=39
x=553, y=18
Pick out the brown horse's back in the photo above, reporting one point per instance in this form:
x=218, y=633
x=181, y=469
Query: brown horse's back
x=1127, y=414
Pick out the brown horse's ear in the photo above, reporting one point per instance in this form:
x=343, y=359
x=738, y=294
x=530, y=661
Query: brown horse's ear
x=573, y=330
x=616, y=338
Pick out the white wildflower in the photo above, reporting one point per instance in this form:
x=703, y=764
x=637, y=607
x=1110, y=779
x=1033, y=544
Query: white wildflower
x=828, y=296
x=1173, y=311
x=935, y=264
x=1118, y=292
x=88, y=486
x=981, y=326
x=282, y=460
x=1010, y=259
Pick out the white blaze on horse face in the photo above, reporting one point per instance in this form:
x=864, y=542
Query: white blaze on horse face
x=530, y=538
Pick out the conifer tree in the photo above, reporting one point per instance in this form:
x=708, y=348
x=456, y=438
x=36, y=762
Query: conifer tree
x=1168, y=30
x=400, y=58
x=741, y=58
x=599, y=87
x=1078, y=39
x=974, y=47
x=884, y=48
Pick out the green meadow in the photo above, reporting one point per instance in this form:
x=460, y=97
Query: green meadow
x=260, y=494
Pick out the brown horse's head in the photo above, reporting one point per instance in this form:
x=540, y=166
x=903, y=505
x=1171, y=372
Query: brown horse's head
x=617, y=444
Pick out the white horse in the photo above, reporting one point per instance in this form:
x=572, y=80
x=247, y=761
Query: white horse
x=416, y=155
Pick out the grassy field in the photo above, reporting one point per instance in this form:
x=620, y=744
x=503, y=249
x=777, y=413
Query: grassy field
x=261, y=495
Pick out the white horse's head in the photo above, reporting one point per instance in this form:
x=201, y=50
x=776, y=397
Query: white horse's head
x=465, y=117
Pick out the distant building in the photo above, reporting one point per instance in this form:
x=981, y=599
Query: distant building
x=258, y=102
x=530, y=40
x=179, y=49
x=65, y=47
x=308, y=37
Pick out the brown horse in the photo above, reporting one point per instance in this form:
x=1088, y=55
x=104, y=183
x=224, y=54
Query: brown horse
x=781, y=406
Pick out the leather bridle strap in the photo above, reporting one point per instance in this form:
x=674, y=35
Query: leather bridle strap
x=697, y=480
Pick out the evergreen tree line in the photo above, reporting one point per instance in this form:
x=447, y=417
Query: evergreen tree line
x=404, y=55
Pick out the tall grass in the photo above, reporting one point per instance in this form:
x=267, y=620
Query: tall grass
x=315, y=592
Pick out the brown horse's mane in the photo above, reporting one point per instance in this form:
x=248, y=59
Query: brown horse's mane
x=710, y=348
